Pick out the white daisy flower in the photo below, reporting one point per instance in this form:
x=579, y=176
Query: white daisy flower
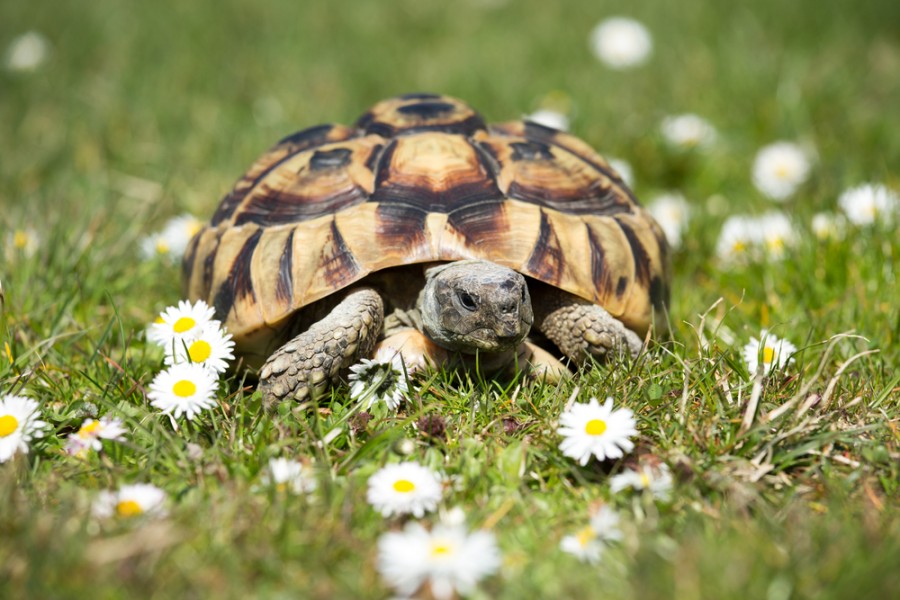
x=828, y=226
x=19, y=424
x=779, y=169
x=621, y=43
x=212, y=348
x=24, y=242
x=775, y=232
x=404, y=488
x=688, y=131
x=91, y=432
x=172, y=241
x=449, y=558
x=184, y=323
x=186, y=388
x=737, y=239
x=130, y=501
x=869, y=202
x=655, y=479
x=672, y=212
x=772, y=350
x=623, y=168
x=289, y=475
x=549, y=118
x=594, y=430
x=379, y=380
x=27, y=52
x=590, y=541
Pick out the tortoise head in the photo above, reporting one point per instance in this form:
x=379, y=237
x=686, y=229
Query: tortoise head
x=475, y=305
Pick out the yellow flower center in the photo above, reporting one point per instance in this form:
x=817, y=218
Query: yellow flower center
x=20, y=239
x=783, y=171
x=199, y=351
x=184, y=388
x=645, y=480
x=404, y=486
x=8, y=425
x=89, y=429
x=162, y=247
x=595, y=427
x=128, y=508
x=768, y=354
x=586, y=535
x=738, y=247
x=440, y=548
x=159, y=320
x=776, y=244
x=183, y=324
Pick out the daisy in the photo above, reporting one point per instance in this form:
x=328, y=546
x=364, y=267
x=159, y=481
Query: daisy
x=774, y=352
x=130, y=501
x=185, y=388
x=289, y=475
x=588, y=544
x=404, y=488
x=448, y=557
x=212, y=348
x=27, y=52
x=623, y=169
x=737, y=239
x=22, y=241
x=869, y=202
x=775, y=233
x=172, y=241
x=184, y=323
x=19, y=423
x=621, y=43
x=779, y=169
x=379, y=380
x=656, y=479
x=828, y=226
x=688, y=131
x=672, y=212
x=91, y=432
x=592, y=429
x=549, y=118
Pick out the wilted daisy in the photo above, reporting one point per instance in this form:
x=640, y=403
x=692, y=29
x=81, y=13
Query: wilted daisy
x=448, y=557
x=19, y=424
x=379, y=380
x=775, y=233
x=212, y=348
x=91, y=432
x=868, y=203
x=404, y=488
x=738, y=238
x=290, y=475
x=688, y=131
x=130, y=501
x=185, y=388
x=828, y=226
x=178, y=324
x=24, y=241
x=27, y=52
x=657, y=479
x=773, y=351
x=623, y=168
x=173, y=240
x=672, y=212
x=621, y=43
x=549, y=118
x=590, y=429
x=588, y=544
x=779, y=169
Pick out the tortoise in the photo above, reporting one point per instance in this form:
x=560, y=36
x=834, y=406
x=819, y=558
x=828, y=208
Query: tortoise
x=468, y=236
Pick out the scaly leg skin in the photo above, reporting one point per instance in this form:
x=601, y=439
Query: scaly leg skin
x=542, y=364
x=583, y=330
x=308, y=364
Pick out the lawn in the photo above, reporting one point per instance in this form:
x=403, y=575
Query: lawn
x=784, y=485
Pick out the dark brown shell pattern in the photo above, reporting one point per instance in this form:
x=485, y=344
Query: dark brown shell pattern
x=422, y=178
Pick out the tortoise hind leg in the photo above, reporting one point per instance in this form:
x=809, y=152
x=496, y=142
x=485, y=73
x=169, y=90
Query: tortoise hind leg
x=308, y=364
x=581, y=329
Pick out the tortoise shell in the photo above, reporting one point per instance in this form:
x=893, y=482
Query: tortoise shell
x=422, y=178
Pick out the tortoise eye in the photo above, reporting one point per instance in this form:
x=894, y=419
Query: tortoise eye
x=467, y=301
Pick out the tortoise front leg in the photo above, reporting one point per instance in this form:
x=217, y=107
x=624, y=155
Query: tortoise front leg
x=308, y=364
x=581, y=329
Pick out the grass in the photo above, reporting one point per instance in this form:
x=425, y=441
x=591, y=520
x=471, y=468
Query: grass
x=147, y=110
